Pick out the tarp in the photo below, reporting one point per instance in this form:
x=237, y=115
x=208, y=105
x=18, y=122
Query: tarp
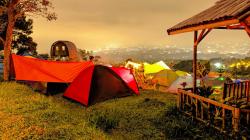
x=154, y=68
x=165, y=77
x=88, y=81
x=32, y=69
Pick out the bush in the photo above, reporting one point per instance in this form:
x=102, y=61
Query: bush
x=178, y=126
x=103, y=120
x=147, y=102
x=205, y=91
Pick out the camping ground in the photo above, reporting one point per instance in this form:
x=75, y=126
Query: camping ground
x=25, y=114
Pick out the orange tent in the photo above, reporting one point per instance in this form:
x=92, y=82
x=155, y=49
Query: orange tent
x=213, y=75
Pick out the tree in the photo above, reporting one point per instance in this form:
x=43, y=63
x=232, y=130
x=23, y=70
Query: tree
x=186, y=65
x=16, y=9
x=21, y=34
x=22, y=39
x=85, y=54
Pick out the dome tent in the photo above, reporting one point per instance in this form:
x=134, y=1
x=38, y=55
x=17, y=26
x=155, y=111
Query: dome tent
x=130, y=64
x=165, y=78
x=154, y=68
x=178, y=83
x=99, y=83
x=182, y=73
x=213, y=75
x=89, y=83
x=164, y=65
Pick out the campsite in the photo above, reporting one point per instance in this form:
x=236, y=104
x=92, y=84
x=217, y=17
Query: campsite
x=103, y=70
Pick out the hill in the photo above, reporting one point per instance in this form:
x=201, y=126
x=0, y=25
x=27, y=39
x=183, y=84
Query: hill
x=25, y=114
x=156, y=53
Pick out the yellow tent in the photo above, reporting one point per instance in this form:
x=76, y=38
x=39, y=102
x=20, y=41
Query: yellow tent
x=130, y=64
x=162, y=64
x=182, y=73
x=165, y=77
x=145, y=63
x=154, y=68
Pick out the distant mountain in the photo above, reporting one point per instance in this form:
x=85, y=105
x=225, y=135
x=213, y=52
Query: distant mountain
x=156, y=53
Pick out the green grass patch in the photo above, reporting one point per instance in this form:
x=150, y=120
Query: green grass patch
x=25, y=114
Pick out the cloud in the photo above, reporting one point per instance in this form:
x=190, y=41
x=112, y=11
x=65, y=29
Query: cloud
x=94, y=24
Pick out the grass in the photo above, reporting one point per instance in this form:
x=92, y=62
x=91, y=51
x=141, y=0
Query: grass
x=25, y=114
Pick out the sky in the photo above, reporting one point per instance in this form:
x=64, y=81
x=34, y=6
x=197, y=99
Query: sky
x=97, y=24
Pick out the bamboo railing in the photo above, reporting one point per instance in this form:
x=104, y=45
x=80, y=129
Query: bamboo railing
x=221, y=116
x=245, y=119
x=237, y=90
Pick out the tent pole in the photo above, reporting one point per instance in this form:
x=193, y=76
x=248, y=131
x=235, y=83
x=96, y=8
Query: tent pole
x=195, y=61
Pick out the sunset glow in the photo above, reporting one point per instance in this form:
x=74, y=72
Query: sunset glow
x=94, y=24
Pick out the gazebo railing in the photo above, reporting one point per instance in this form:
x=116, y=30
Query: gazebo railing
x=245, y=114
x=221, y=116
x=237, y=90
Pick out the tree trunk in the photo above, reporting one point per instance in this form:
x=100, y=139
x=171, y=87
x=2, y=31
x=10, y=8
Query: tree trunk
x=8, y=41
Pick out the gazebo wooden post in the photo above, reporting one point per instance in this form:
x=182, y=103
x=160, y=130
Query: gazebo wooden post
x=195, y=60
x=197, y=40
x=247, y=28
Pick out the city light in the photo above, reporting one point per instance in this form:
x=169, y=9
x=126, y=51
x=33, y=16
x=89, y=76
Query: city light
x=218, y=65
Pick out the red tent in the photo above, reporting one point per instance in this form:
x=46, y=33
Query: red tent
x=99, y=83
x=90, y=83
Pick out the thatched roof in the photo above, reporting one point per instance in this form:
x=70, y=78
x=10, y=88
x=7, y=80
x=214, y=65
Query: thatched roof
x=223, y=13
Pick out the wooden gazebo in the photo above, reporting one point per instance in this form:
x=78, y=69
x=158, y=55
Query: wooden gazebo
x=225, y=14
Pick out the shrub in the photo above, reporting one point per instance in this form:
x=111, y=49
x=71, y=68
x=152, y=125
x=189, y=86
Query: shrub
x=178, y=126
x=103, y=120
